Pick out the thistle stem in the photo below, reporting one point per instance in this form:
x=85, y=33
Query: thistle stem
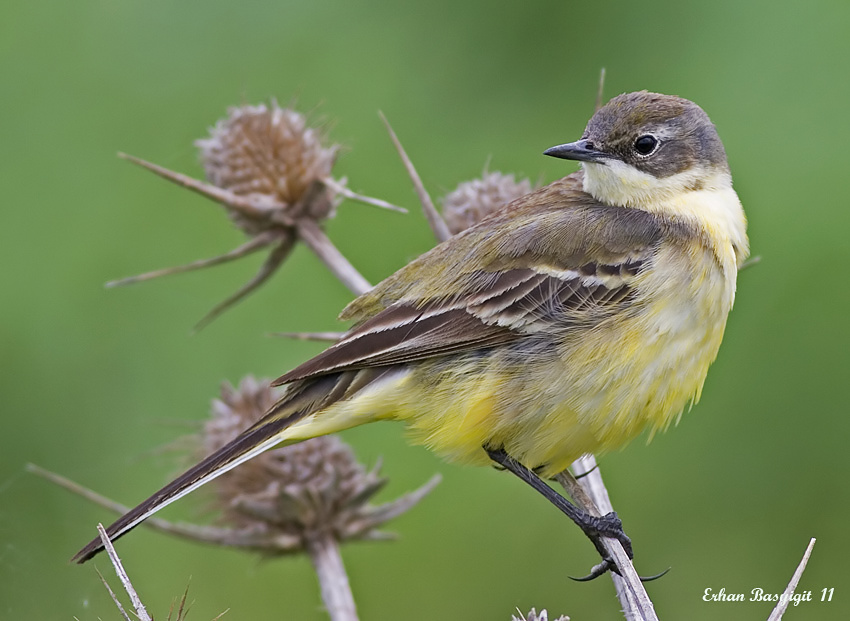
x=591, y=495
x=319, y=243
x=333, y=581
x=435, y=220
x=138, y=606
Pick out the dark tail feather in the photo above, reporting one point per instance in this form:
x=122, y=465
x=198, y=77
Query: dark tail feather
x=261, y=437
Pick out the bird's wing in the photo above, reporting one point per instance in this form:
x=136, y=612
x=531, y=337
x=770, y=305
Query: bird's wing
x=574, y=271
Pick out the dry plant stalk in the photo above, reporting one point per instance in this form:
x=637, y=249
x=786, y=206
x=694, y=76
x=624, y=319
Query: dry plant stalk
x=591, y=495
x=785, y=599
x=139, y=609
x=138, y=606
x=533, y=615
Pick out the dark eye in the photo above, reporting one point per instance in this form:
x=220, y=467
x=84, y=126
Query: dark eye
x=646, y=144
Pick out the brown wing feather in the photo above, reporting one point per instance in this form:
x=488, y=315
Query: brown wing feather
x=402, y=334
x=513, y=303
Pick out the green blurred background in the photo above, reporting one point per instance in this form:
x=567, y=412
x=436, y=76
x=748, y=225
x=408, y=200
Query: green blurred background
x=95, y=382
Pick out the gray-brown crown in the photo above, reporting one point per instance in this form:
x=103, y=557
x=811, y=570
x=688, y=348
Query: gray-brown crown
x=685, y=135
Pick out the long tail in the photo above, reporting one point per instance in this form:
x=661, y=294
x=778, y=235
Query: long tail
x=275, y=427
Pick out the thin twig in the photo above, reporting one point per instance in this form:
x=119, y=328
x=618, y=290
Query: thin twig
x=269, y=267
x=257, y=207
x=749, y=262
x=113, y=596
x=205, y=534
x=182, y=610
x=252, y=245
x=319, y=243
x=348, y=193
x=333, y=581
x=138, y=606
x=310, y=336
x=785, y=599
x=435, y=221
x=401, y=505
x=600, y=89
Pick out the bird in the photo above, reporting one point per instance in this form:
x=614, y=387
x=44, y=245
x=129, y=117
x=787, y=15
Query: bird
x=565, y=323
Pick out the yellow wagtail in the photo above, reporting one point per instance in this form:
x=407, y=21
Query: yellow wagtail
x=564, y=324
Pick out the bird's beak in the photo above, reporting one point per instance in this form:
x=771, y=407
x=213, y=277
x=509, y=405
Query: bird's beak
x=581, y=151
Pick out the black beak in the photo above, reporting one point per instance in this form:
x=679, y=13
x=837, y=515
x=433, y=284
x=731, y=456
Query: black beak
x=581, y=151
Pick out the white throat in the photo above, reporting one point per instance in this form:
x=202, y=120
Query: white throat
x=617, y=183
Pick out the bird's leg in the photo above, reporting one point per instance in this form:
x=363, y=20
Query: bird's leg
x=595, y=527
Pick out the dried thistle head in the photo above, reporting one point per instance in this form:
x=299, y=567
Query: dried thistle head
x=269, y=152
x=271, y=172
x=472, y=200
x=288, y=495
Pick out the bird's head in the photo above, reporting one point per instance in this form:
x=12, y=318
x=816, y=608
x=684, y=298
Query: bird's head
x=643, y=149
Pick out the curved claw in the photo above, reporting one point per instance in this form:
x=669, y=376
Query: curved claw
x=578, y=477
x=598, y=570
x=608, y=565
x=656, y=576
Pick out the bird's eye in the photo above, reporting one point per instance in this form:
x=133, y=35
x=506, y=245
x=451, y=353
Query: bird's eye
x=646, y=144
